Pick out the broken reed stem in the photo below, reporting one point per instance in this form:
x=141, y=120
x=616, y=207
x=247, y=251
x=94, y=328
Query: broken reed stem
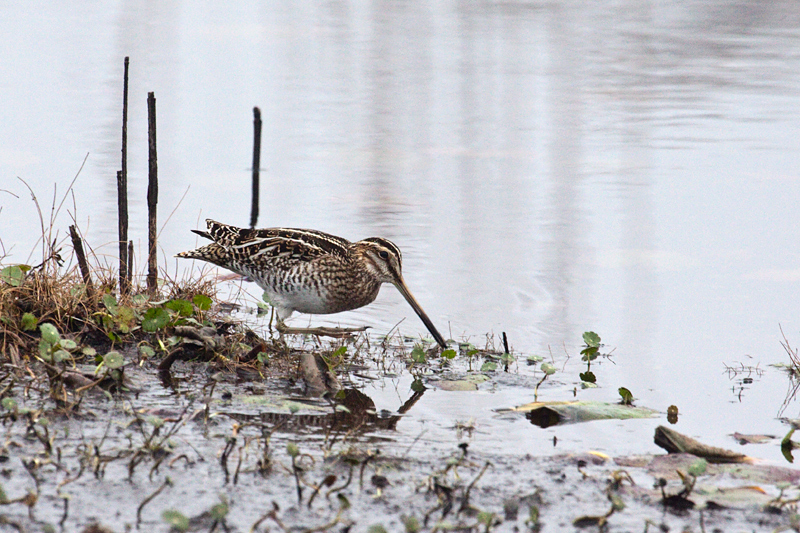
x=256, y=165
x=152, y=197
x=122, y=207
x=122, y=191
x=77, y=245
x=130, y=263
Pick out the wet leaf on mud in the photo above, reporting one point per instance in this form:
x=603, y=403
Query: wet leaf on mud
x=68, y=344
x=488, y=366
x=49, y=333
x=44, y=350
x=13, y=275
x=202, y=302
x=146, y=350
x=468, y=383
x=698, y=468
x=182, y=307
x=113, y=360
x=29, y=322
x=175, y=519
x=9, y=404
x=111, y=303
x=154, y=319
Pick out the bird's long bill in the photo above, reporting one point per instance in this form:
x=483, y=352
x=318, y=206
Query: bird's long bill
x=401, y=286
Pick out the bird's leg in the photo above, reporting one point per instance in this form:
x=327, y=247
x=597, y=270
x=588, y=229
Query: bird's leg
x=337, y=333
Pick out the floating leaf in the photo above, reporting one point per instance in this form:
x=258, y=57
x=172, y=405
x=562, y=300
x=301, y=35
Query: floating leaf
x=154, y=319
x=13, y=275
x=113, y=360
x=449, y=354
x=533, y=359
x=591, y=339
x=202, y=302
x=488, y=366
x=180, y=306
x=548, y=369
x=175, y=519
x=49, y=333
x=29, y=322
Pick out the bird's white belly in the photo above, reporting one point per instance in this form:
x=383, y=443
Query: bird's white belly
x=310, y=302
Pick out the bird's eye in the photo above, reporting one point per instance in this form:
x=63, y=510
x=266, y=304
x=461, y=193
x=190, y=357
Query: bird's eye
x=384, y=254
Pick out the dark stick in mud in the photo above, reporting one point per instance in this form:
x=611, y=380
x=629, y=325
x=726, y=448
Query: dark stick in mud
x=122, y=208
x=152, y=196
x=256, y=165
x=130, y=263
x=122, y=191
x=77, y=245
x=505, y=346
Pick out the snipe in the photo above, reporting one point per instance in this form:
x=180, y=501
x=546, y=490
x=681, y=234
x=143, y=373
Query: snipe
x=309, y=271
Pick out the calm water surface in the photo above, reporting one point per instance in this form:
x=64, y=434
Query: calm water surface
x=547, y=168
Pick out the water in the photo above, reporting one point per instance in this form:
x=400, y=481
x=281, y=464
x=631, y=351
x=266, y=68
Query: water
x=547, y=168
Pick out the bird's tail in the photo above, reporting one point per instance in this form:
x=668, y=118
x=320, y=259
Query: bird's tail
x=213, y=253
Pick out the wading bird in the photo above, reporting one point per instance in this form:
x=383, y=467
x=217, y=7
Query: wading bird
x=308, y=271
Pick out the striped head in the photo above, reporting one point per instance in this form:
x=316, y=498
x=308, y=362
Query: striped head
x=382, y=258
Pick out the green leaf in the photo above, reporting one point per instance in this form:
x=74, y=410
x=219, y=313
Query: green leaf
x=533, y=359
x=9, y=404
x=698, y=468
x=146, y=350
x=180, y=306
x=488, y=366
x=292, y=449
x=548, y=369
x=154, y=319
x=590, y=353
x=627, y=397
x=29, y=322
x=591, y=339
x=13, y=275
x=111, y=303
x=44, y=349
x=340, y=351
x=219, y=511
x=155, y=421
x=113, y=360
x=449, y=354
x=263, y=358
x=139, y=299
x=175, y=519
x=202, y=302
x=418, y=386
x=49, y=333
x=418, y=354
x=588, y=377
x=89, y=351
x=61, y=355
x=68, y=344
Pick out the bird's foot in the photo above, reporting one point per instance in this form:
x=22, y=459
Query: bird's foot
x=337, y=333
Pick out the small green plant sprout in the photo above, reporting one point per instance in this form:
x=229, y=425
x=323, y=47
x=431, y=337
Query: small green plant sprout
x=449, y=354
x=335, y=358
x=592, y=346
x=175, y=519
x=52, y=348
x=29, y=322
x=548, y=370
x=627, y=396
x=418, y=354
